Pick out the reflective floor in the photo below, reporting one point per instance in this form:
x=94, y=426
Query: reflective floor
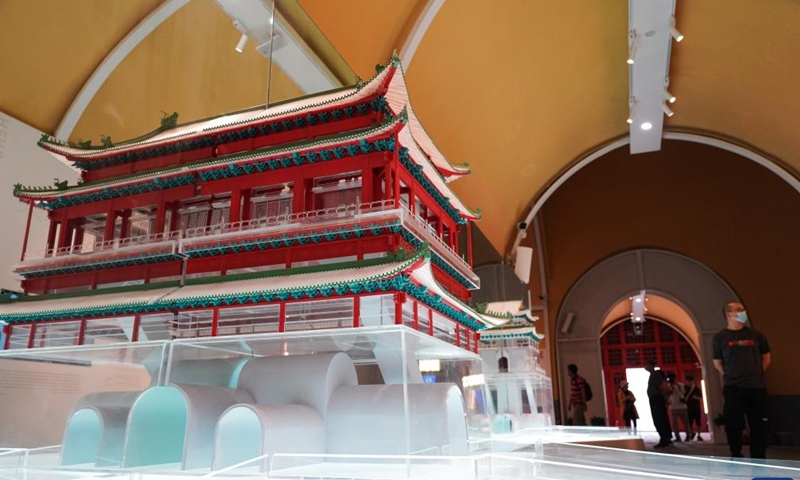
x=508, y=457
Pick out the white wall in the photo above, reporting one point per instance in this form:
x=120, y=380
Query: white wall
x=21, y=161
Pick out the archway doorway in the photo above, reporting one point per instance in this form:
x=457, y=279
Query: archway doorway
x=698, y=291
x=625, y=346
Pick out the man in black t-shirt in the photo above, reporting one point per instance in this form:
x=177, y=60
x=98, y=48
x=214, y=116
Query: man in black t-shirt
x=741, y=355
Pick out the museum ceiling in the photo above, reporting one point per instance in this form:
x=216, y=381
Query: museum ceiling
x=518, y=89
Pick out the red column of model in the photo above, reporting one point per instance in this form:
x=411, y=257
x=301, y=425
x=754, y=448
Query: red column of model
x=236, y=205
x=356, y=312
x=27, y=230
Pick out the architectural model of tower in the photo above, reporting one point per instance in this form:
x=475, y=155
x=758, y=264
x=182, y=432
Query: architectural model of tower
x=329, y=211
x=520, y=392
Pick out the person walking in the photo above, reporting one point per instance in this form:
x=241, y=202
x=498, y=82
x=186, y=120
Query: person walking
x=577, y=396
x=678, y=409
x=741, y=356
x=657, y=390
x=694, y=398
x=626, y=400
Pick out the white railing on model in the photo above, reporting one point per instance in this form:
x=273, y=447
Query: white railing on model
x=115, y=244
x=430, y=235
x=420, y=226
x=313, y=216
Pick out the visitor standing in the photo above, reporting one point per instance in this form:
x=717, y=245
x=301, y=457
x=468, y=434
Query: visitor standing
x=577, y=396
x=741, y=355
x=694, y=399
x=678, y=409
x=627, y=400
x=657, y=391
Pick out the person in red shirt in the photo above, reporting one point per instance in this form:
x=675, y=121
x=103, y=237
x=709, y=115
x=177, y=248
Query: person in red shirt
x=577, y=399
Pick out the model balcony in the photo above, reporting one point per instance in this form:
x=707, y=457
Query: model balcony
x=285, y=230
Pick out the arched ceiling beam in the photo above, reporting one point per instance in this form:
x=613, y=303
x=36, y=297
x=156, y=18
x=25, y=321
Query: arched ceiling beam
x=418, y=32
x=756, y=157
x=111, y=62
x=277, y=40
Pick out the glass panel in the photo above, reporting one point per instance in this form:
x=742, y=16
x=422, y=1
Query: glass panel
x=272, y=201
x=444, y=328
x=318, y=314
x=48, y=391
x=337, y=190
x=424, y=318
x=665, y=333
x=335, y=386
x=156, y=327
x=233, y=321
x=688, y=355
x=62, y=334
x=612, y=337
x=408, y=313
x=192, y=324
x=668, y=356
x=104, y=331
x=614, y=356
x=633, y=357
x=377, y=310
x=20, y=336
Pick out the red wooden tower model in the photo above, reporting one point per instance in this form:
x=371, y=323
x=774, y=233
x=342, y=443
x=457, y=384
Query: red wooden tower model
x=328, y=211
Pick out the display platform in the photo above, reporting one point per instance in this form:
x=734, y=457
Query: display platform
x=351, y=403
x=543, y=461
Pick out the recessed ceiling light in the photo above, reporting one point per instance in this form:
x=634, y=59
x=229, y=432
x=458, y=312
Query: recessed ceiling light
x=647, y=126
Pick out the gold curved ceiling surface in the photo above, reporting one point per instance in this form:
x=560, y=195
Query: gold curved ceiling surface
x=736, y=73
x=49, y=48
x=521, y=89
x=182, y=67
x=511, y=92
x=518, y=89
x=365, y=32
x=509, y=89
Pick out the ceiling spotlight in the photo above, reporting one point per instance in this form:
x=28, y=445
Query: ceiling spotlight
x=633, y=42
x=647, y=126
x=668, y=111
x=242, y=43
x=678, y=36
x=669, y=97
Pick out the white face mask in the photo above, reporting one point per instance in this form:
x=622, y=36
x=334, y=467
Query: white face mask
x=741, y=317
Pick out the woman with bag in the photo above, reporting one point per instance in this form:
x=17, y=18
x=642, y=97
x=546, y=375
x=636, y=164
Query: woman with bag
x=626, y=400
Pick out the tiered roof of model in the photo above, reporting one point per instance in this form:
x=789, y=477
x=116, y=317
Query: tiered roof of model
x=386, y=93
x=508, y=323
x=412, y=276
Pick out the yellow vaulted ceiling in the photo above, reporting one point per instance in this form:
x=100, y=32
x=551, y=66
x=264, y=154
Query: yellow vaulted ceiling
x=519, y=89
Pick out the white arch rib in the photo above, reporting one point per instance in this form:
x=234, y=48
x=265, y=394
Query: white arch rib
x=111, y=62
x=756, y=157
x=418, y=32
